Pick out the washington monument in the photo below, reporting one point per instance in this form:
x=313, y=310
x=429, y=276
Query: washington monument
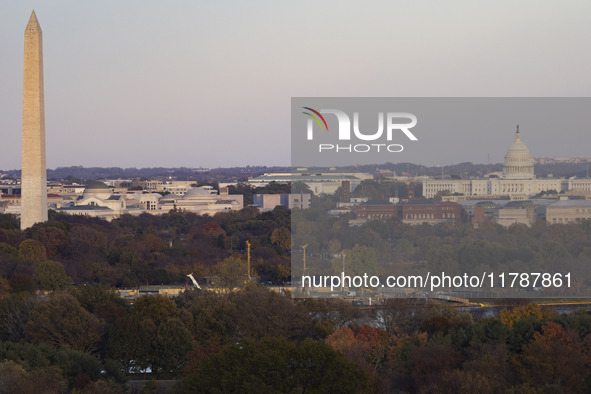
x=34, y=171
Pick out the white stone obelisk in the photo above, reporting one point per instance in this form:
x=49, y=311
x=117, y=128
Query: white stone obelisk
x=34, y=171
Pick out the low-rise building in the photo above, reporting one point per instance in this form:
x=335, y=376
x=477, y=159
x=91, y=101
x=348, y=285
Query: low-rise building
x=10, y=189
x=99, y=200
x=516, y=212
x=327, y=182
x=268, y=202
x=568, y=211
x=430, y=212
x=12, y=202
x=410, y=212
x=201, y=200
x=376, y=210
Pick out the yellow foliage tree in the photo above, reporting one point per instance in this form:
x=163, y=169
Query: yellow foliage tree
x=510, y=317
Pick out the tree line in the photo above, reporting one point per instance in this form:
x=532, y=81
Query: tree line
x=386, y=247
x=143, y=250
x=88, y=339
x=63, y=326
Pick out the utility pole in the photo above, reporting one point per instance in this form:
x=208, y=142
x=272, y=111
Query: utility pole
x=248, y=258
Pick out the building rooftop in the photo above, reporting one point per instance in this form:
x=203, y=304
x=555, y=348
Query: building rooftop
x=420, y=202
x=226, y=202
x=302, y=177
x=572, y=203
x=85, y=208
x=97, y=185
x=376, y=202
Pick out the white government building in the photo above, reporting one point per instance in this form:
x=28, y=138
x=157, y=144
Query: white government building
x=99, y=200
x=517, y=181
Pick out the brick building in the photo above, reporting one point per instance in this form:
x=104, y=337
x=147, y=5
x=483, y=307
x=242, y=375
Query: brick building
x=412, y=212
x=431, y=212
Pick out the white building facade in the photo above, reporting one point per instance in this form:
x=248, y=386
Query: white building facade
x=517, y=181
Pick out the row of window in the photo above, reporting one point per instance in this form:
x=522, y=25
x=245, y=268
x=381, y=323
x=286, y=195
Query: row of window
x=568, y=220
x=379, y=216
x=429, y=216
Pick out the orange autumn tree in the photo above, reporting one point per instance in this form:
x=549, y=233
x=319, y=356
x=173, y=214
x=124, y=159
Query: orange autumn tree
x=553, y=359
x=510, y=317
x=368, y=347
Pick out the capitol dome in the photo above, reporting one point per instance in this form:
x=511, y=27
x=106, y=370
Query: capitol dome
x=519, y=164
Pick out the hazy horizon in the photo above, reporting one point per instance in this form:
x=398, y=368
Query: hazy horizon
x=146, y=84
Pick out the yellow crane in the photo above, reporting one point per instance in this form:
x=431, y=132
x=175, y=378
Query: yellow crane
x=304, y=258
x=248, y=259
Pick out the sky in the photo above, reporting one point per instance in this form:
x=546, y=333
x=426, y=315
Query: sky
x=209, y=83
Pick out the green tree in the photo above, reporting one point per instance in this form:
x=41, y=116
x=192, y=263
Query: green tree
x=212, y=314
x=172, y=343
x=51, y=275
x=31, y=249
x=4, y=287
x=492, y=362
x=306, y=232
x=151, y=336
x=52, y=238
x=158, y=308
x=320, y=369
x=12, y=376
x=428, y=363
x=359, y=260
x=231, y=273
x=77, y=366
x=276, y=366
x=21, y=282
x=282, y=238
x=15, y=310
x=459, y=381
x=15, y=379
x=522, y=333
x=61, y=321
x=7, y=250
x=104, y=387
x=260, y=312
x=130, y=343
x=101, y=300
x=490, y=330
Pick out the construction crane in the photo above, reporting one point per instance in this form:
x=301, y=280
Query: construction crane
x=194, y=281
x=304, y=258
x=248, y=259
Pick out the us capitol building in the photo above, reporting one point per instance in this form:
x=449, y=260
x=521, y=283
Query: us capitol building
x=517, y=181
